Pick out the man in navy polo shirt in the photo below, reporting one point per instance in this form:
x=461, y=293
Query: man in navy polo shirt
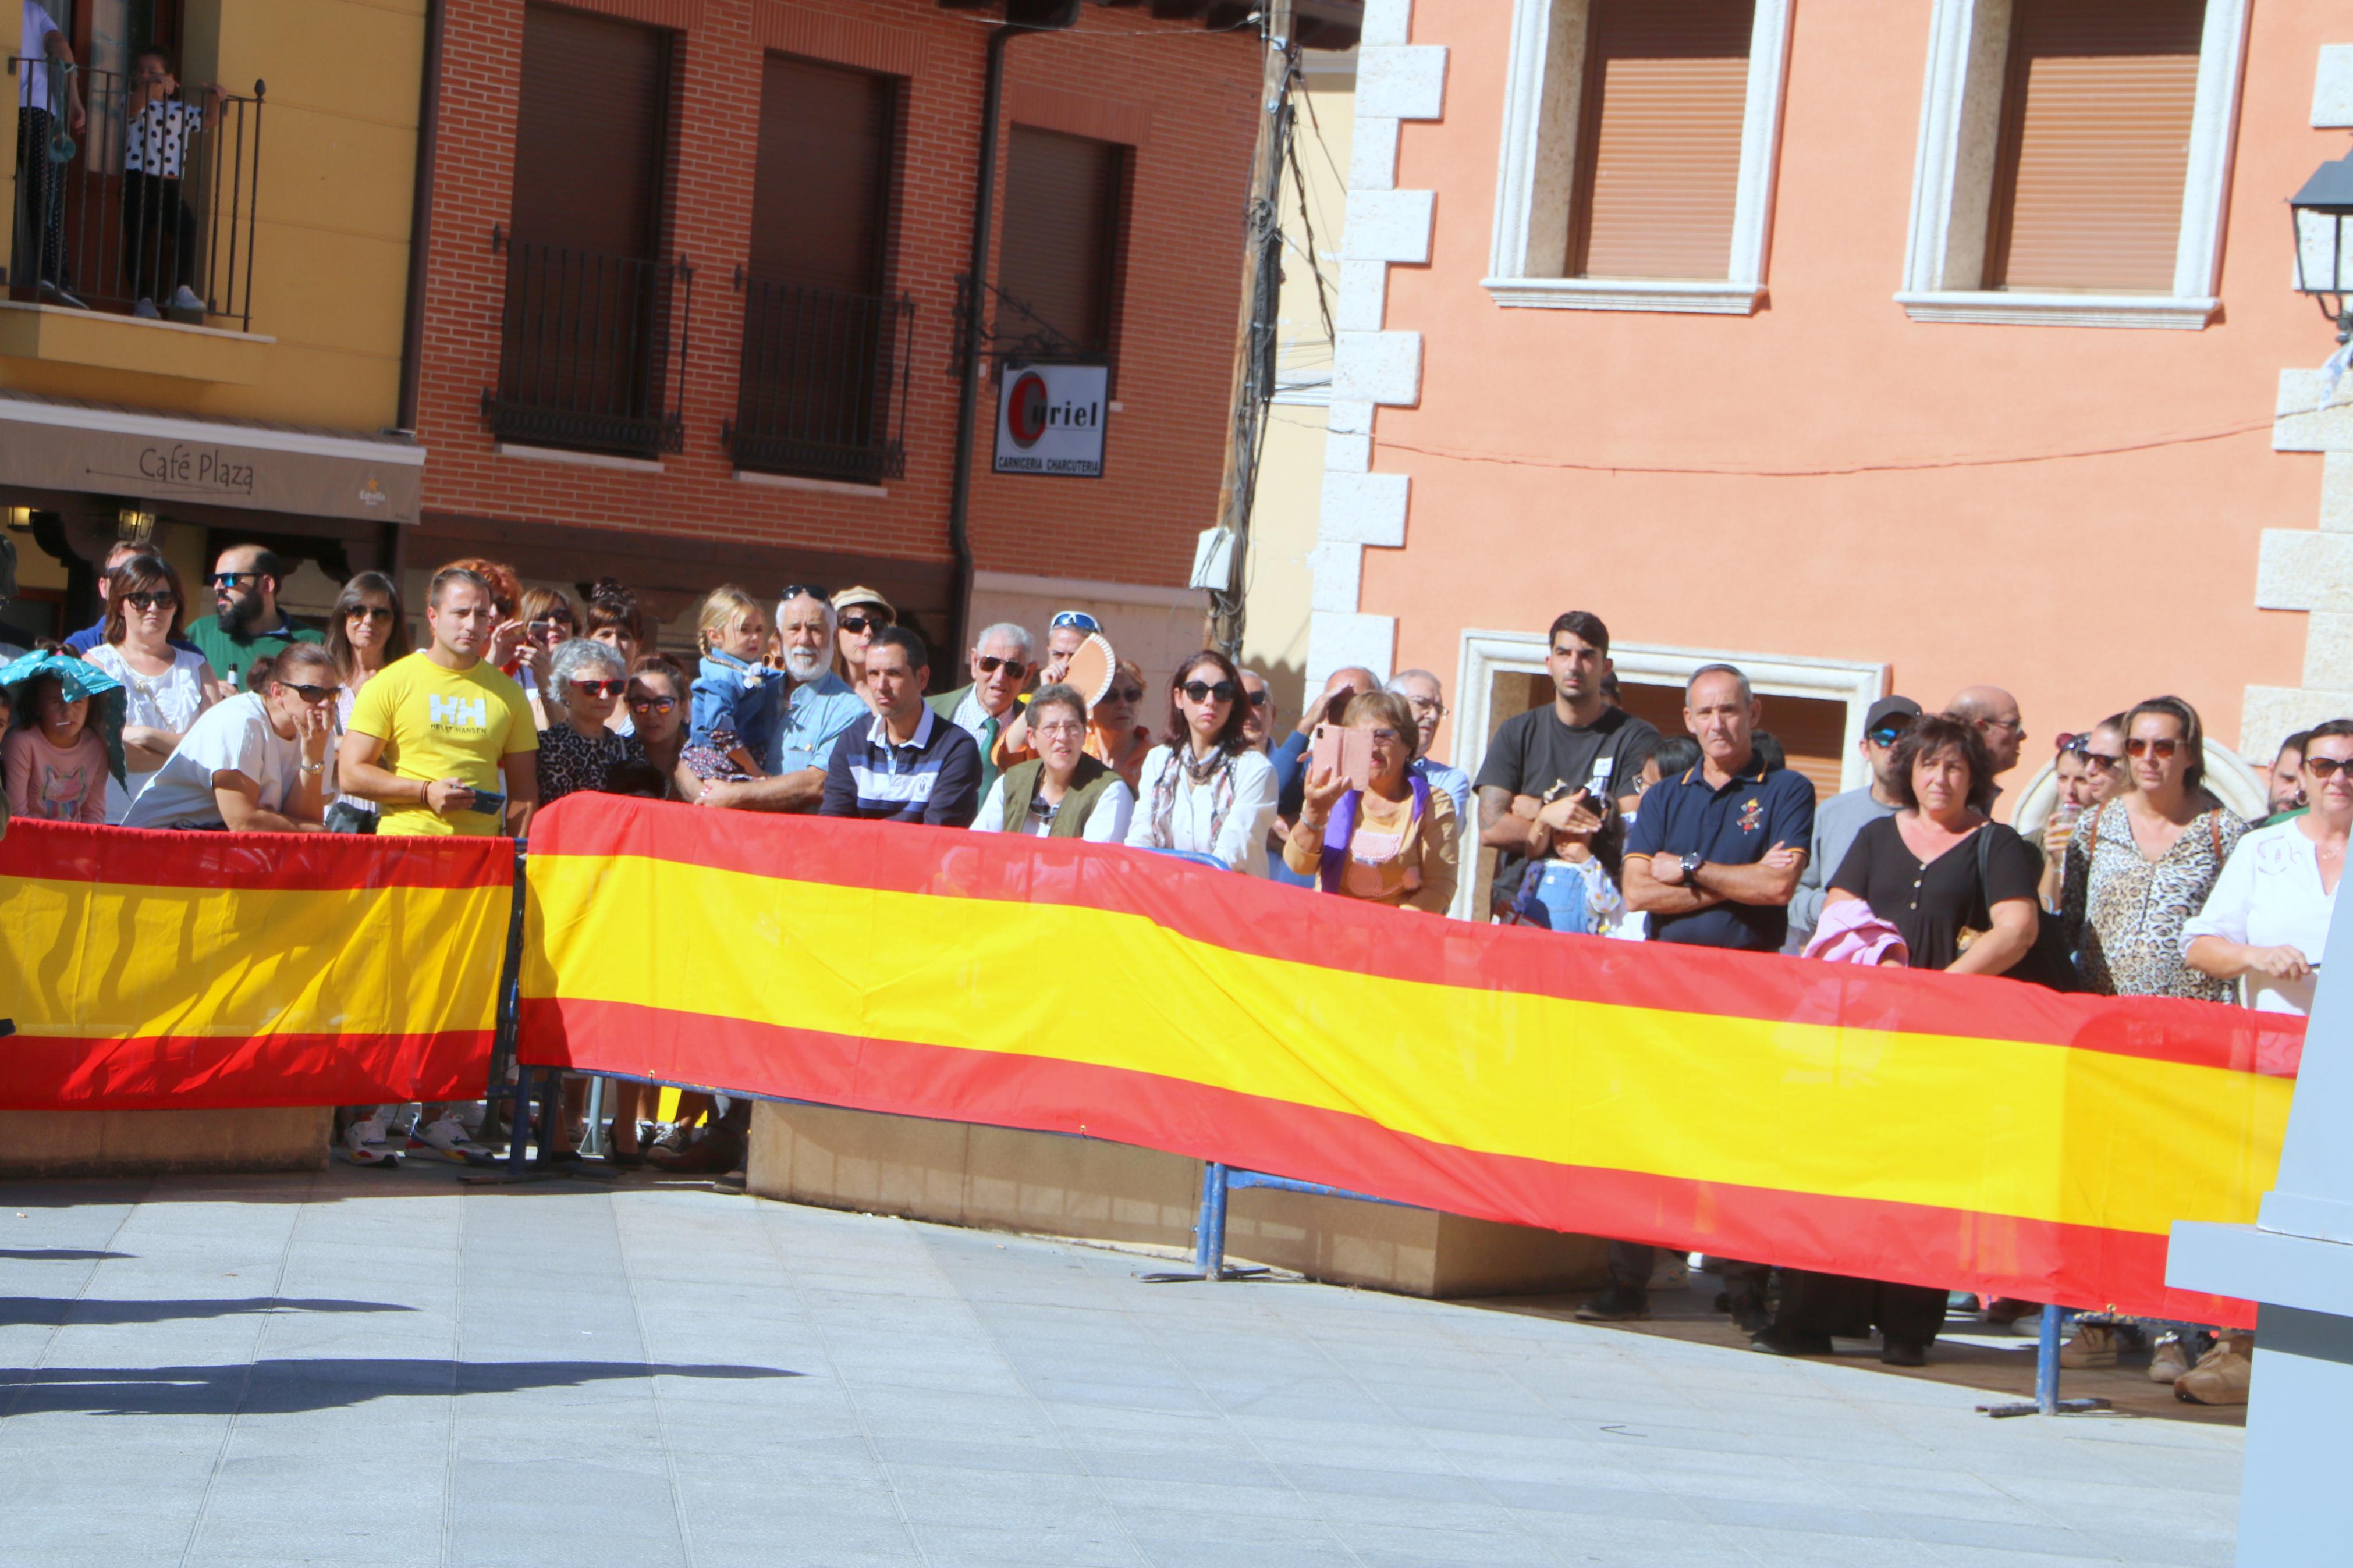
x=909, y=765
x=1713, y=857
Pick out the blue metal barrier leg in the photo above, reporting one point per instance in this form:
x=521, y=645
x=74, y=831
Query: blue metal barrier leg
x=2046, y=1378
x=1210, y=1229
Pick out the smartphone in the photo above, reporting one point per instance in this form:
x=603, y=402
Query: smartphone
x=1348, y=753
x=489, y=803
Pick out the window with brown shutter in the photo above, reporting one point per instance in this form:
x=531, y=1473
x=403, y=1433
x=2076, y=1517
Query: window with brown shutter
x=2094, y=151
x=591, y=117
x=820, y=189
x=1658, y=175
x=1060, y=245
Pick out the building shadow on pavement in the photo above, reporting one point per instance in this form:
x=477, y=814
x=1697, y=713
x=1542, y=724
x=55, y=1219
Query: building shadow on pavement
x=292, y=1384
x=61, y=1255
x=55, y=1312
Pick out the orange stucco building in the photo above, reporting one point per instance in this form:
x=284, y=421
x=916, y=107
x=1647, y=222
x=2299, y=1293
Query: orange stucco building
x=1874, y=344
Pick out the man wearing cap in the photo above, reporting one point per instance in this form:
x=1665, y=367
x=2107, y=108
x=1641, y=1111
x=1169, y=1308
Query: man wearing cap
x=819, y=708
x=1002, y=666
x=1838, y=819
x=858, y=613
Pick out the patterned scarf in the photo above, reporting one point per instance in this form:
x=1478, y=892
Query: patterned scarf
x=1218, y=773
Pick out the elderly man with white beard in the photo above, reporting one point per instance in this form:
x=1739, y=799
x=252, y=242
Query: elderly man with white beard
x=819, y=706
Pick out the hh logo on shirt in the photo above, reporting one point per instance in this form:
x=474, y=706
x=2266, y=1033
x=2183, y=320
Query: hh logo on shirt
x=471, y=713
x=1752, y=815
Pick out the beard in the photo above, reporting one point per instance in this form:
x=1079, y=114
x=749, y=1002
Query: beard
x=242, y=615
x=804, y=664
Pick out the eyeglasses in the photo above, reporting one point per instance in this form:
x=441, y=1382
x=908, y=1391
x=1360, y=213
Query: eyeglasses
x=368, y=612
x=1124, y=694
x=231, y=579
x=1079, y=618
x=602, y=688
x=2142, y=746
x=150, y=601
x=652, y=704
x=1066, y=727
x=990, y=663
x=2015, y=726
x=1887, y=734
x=313, y=695
x=2326, y=768
x=1201, y=690
x=861, y=625
x=1427, y=705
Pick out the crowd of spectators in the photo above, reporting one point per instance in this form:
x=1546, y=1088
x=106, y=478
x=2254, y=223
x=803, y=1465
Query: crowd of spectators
x=2139, y=882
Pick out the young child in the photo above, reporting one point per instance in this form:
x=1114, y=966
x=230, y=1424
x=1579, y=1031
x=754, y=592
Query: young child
x=160, y=240
x=54, y=759
x=736, y=702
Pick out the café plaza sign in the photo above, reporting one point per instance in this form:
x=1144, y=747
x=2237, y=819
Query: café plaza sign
x=1050, y=419
x=57, y=446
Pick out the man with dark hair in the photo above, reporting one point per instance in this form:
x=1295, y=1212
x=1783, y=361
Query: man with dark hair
x=2286, y=792
x=246, y=580
x=1567, y=767
x=1713, y=859
x=909, y=765
x=1842, y=816
x=91, y=636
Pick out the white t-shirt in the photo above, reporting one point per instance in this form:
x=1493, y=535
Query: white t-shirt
x=233, y=736
x=33, y=79
x=1106, y=823
x=1240, y=839
x=167, y=702
x=2269, y=895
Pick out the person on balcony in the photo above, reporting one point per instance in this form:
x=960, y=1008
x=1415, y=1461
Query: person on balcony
x=45, y=83
x=157, y=223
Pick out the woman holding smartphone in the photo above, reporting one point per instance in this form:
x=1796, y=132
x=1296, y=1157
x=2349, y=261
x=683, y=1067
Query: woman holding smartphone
x=1393, y=840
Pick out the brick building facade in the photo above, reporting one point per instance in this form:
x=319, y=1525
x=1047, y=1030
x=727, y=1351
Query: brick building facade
x=1175, y=98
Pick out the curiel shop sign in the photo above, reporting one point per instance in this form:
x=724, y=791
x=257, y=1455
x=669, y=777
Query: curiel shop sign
x=1049, y=420
x=195, y=468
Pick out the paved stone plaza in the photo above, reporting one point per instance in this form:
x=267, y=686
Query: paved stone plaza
x=373, y=1370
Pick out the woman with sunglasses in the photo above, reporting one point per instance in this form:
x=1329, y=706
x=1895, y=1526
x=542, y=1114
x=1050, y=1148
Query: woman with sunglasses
x=2140, y=865
x=858, y=615
x=256, y=761
x=165, y=689
x=587, y=679
x=657, y=708
x=2266, y=921
x=1113, y=737
x=1394, y=842
x=366, y=630
x=1206, y=793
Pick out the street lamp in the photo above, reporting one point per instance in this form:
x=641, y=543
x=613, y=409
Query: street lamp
x=2323, y=212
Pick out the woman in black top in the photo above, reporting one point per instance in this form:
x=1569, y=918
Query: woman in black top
x=1934, y=870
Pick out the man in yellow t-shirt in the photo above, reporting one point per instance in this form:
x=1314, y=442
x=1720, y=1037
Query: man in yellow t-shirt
x=432, y=732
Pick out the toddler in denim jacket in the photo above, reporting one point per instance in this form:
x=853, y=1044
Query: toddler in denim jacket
x=736, y=701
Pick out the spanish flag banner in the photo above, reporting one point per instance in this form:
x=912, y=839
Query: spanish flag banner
x=149, y=970
x=1923, y=1128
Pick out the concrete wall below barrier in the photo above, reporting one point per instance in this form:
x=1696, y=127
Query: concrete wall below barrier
x=993, y=1178
x=157, y=1142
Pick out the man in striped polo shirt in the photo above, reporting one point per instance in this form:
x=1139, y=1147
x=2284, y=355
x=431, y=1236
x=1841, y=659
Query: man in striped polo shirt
x=909, y=765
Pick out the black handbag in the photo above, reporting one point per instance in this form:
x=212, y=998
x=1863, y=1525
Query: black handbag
x=2047, y=962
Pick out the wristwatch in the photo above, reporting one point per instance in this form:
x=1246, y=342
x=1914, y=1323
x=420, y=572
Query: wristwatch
x=308, y=768
x=1691, y=863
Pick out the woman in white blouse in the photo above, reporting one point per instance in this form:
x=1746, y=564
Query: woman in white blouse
x=2267, y=918
x=164, y=688
x=1206, y=791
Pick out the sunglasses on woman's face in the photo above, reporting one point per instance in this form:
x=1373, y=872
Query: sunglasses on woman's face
x=2101, y=761
x=312, y=695
x=1124, y=694
x=368, y=612
x=543, y=624
x=2326, y=768
x=1201, y=690
x=2142, y=746
x=143, y=601
x=602, y=688
x=652, y=704
x=861, y=625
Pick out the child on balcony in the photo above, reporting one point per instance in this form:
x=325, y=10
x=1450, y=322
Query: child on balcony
x=736, y=702
x=160, y=135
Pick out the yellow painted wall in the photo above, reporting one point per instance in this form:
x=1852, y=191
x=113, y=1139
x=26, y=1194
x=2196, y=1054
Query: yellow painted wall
x=338, y=166
x=1291, y=480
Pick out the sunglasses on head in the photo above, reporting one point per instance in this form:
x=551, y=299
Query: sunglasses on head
x=1079, y=618
x=602, y=688
x=652, y=704
x=990, y=663
x=859, y=624
x=801, y=590
x=2142, y=746
x=150, y=601
x=1201, y=690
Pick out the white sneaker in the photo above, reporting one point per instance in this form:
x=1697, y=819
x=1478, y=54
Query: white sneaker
x=363, y=1145
x=184, y=299
x=145, y=309
x=2171, y=1360
x=445, y=1138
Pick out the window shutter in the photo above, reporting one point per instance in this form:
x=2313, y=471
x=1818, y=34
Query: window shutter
x=2094, y=145
x=823, y=177
x=1666, y=96
x=589, y=123
x=1061, y=235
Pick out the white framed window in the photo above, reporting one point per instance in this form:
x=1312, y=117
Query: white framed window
x=2074, y=161
x=1638, y=155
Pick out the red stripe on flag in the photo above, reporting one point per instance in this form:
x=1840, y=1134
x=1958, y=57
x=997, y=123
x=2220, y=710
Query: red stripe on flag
x=199, y=1072
x=1246, y=914
x=289, y=862
x=1907, y=1243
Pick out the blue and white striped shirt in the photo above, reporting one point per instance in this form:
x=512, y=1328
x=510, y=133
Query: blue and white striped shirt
x=933, y=778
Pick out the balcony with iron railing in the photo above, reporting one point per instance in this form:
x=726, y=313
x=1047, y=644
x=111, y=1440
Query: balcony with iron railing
x=148, y=209
x=824, y=382
x=591, y=350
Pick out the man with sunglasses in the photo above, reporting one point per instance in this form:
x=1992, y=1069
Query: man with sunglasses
x=1995, y=713
x=1838, y=819
x=91, y=636
x=819, y=708
x=248, y=624
x=1065, y=635
x=255, y=762
x=1001, y=667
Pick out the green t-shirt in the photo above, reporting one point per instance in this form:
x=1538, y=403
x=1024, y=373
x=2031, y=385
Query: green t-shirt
x=231, y=657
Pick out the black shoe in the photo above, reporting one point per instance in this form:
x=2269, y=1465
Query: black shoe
x=1616, y=1305
x=1776, y=1341
x=1903, y=1353
x=1723, y=1301
x=1748, y=1313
